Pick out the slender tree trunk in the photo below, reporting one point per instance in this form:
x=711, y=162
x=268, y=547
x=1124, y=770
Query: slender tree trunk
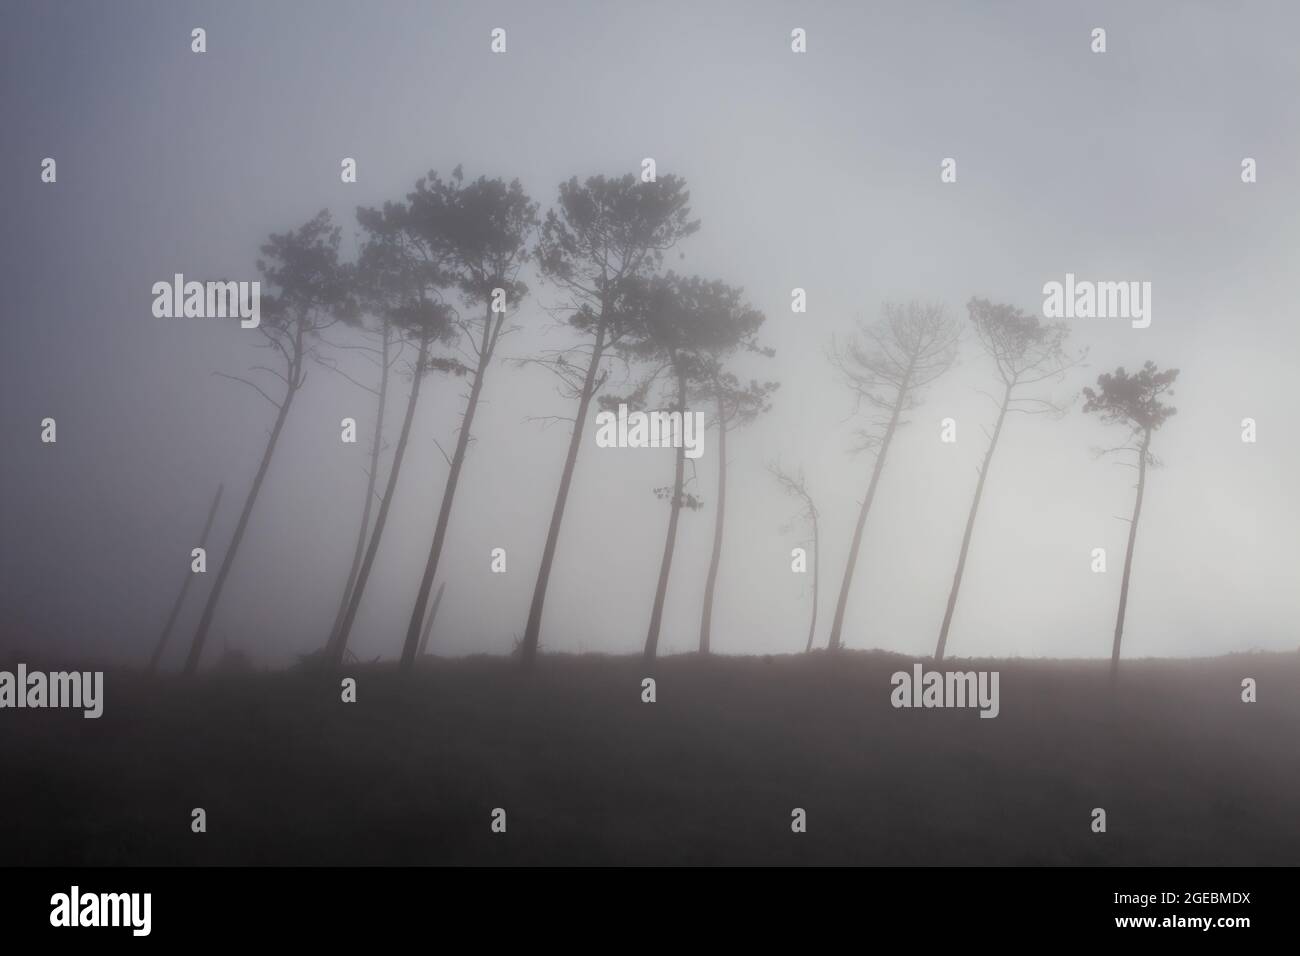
x=838, y=624
x=817, y=570
x=412, y=643
x=227, y=562
x=359, y=551
x=339, y=643
x=433, y=612
x=670, y=541
x=706, y=620
x=185, y=587
x=533, y=630
x=970, y=527
x=1128, y=555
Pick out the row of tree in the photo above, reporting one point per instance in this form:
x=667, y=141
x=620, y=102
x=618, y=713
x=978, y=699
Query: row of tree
x=437, y=281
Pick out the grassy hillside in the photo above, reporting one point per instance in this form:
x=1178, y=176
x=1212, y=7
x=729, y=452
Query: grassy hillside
x=709, y=774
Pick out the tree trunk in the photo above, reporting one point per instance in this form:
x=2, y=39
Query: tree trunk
x=1128, y=555
x=838, y=624
x=339, y=643
x=533, y=630
x=412, y=643
x=210, y=609
x=817, y=569
x=185, y=587
x=358, y=553
x=670, y=541
x=970, y=528
x=433, y=612
x=706, y=619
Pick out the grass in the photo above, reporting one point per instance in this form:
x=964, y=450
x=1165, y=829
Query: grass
x=709, y=774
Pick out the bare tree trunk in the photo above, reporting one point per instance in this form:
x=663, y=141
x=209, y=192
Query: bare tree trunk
x=706, y=619
x=185, y=587
x=1128, y=555
x=970, y=528
x=339, y=643
x=359, y=551
x=210, y=609
x=533, y=630
x=670, y=541
x=837, y=625
x=412, y=643
x=817, y=570
x=433, y=612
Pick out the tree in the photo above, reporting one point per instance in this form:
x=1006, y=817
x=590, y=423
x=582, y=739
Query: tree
x=483, y=229
x=736, y=405
x=385, y=356
x=1134, y=402
x=311, y=290
x=403, y=282
x=605, y=235
x=1025, y=351
x=888, y=365
x=794, y=484
x=684, y=329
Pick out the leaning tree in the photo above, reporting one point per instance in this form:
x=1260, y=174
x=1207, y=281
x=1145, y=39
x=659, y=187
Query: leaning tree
x=604, y=236
x=405, y=284
x=311, y=290
x=794, y=484
x=684, y=330
x=887, y=365
x=1134, y=402
x=482, y=228
x=1025, y=352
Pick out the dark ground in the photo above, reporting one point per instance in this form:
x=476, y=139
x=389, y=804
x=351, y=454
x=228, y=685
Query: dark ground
x=588, y=774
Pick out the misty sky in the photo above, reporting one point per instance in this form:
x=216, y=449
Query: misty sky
x=819, y=171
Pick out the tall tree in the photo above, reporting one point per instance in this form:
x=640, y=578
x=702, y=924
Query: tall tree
x=605, y=235
x=1025, y=352
x=1134, y=402
x=735, y=405
x=483, y=228
x=888, y=365
x=404, y=282
x=684, y=329
x=385, y=356
x=794, y=484
x=311, y=290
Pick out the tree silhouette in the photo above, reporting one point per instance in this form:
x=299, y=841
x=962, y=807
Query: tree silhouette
x=684, y=329
x=403, y=282
x=311, y=291
x=794, y=484
x=483, y=228
x=1134, y=402
x=604, y=236
x=888, y=364
x=1025, y=351
x=385, y=356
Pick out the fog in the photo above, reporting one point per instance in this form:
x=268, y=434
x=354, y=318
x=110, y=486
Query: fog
x=818, y=171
